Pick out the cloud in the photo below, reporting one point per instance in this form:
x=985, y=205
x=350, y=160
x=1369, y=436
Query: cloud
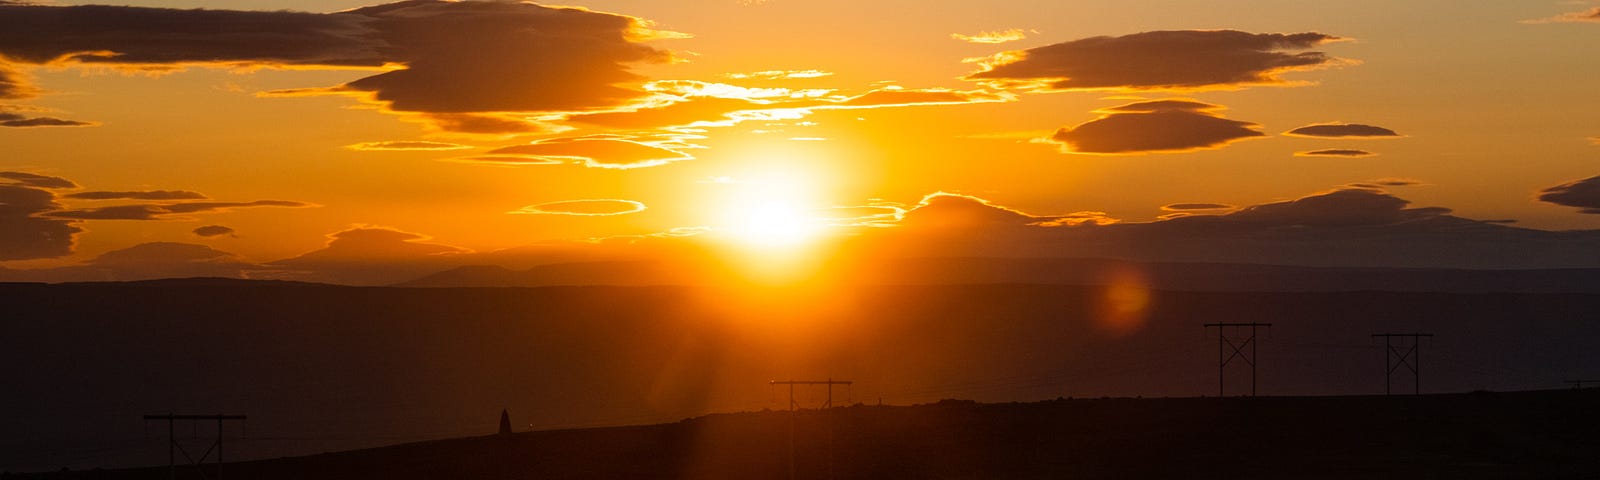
x=371, y=255
x=1343, y=227
x=598, y=151
x=407, y=145
x=897, y=97
x=1394, y=182
x=14, y=84
x=437, y=56
x=951, y=211
x=167, y=260
x=23, y=234
x=17, y=121
x=583, y=208
x=700, y=111
x=139, y=195
x=1594, y=140
x=1180, y=207
x=1155, y=126
x=1001, y=36
x=36, y=180
x=1160, y=60
x=1590, y=15
x=778, y=74
x=1583, y=194
x=1341, y=130
x=1335, y=152
x=209, y=231
x=165, y=211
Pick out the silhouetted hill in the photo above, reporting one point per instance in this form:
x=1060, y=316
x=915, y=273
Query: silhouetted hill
x=1059, y=271
x=325, y=368
x=1547, y=435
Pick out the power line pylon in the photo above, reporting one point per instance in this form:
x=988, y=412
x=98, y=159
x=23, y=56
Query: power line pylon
x=1224, y=357
x=792, y=406
x=173, y=446
x=1393, y=359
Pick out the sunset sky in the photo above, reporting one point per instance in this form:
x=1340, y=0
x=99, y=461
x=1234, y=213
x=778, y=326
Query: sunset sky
x=302, y=139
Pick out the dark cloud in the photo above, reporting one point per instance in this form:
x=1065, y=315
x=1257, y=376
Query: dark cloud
x=1341, y=130
x=600, y=151
x=1175, y=207
x=452, y=57
x=1387, y=182
x=24, y=235
x=583, y=208
x=1346, y=227
x=36, y=180
x=407, y=145
x=138, y=195
x=165, y=211
x=167, y=260
x=42, y=122
x=1155, y=126
x=1583, y=194
x=1335, y=152
x=1161, y=60
x=952, y=212
x=213, y=231
x=367, y=255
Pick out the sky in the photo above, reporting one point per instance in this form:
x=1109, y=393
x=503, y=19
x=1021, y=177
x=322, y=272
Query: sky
x=364, y=143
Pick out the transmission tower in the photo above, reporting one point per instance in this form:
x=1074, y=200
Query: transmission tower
x=1225, y=342
x=173, y=447
x=793, y=406
x=1393, y=359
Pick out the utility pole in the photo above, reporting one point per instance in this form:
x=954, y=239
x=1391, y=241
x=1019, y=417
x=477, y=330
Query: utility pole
x=792, y=406
x=173, y=446
x=1223, y=357
x=1393, y=359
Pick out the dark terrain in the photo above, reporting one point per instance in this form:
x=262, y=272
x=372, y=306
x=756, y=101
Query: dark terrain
x=323, y=368
x=1548, y=434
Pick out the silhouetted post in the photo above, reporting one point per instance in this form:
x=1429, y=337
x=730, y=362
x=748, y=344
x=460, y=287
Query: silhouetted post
x=173, y=447
x=791, y=383
x=505, y=422
x=1223, y=357
x=1411, y=359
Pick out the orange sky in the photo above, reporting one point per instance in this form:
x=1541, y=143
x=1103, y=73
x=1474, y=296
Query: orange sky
x=313, y=139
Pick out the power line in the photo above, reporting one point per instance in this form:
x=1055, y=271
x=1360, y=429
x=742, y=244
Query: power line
x=1223, y=357
x=1393, y=359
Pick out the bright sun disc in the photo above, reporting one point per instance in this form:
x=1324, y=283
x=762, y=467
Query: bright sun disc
x=775, y=223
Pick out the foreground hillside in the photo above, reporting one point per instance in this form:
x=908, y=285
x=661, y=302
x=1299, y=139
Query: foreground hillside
x=322, y=368
x=1465, y=436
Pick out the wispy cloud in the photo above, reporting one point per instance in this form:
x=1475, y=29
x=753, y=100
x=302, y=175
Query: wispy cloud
x=583, y=208
x=994, y=37
x=1591, y=15
x=1583, y=194
x=407, y=145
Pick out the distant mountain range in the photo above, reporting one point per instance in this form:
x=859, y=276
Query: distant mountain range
x=1211, y=277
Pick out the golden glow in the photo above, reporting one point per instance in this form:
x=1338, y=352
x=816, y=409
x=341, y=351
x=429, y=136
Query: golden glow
x=771, y=223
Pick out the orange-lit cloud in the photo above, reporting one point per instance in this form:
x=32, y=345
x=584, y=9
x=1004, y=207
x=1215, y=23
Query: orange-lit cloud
x=779, y=74
x=583, y=208
x=701, y=111
x=899, y=97
x=1590, y=15
x=407, y=145
x=598, y=151
x=440, y=57
x=950, y=211
x=1155, y=126
x=1160, y=60
x=1183, y=207
x=14, y=85
x=138, y=195
x=209, y=231
x=1583, y=194
x=1341, y=130
x=1001, y=36
x=1335, y=152
x=1387, y=182
x=165, y=211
